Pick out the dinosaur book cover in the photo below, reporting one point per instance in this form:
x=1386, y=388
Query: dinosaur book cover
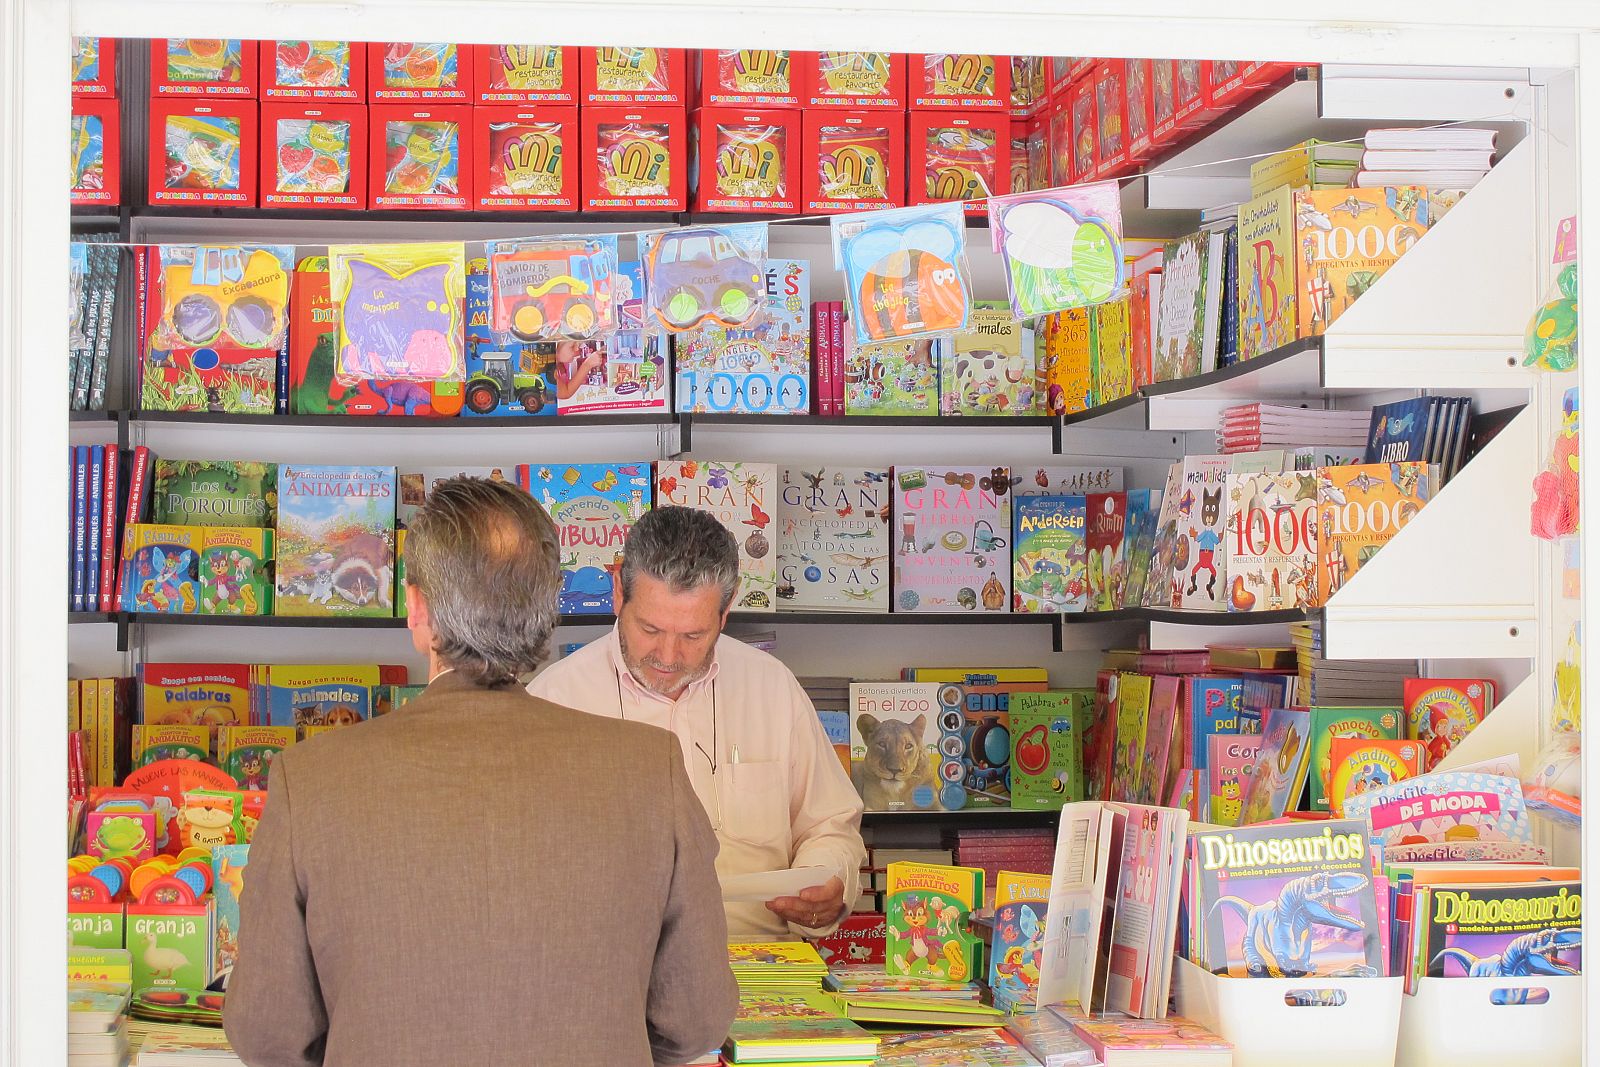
x=1345, y=239
x=1286, y=901
x=742, y=496
x=952, y=528
x=833, y=539
x=1514, y=931
x=926, y=921
x=335, y=540
x=593, y=506
x=1359, y=509
x=214, y=492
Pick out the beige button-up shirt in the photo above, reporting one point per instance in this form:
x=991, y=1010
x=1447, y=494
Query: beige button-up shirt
x=756, y=755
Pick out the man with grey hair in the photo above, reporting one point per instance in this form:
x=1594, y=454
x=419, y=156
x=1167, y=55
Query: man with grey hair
x=766, y=773
x=422, y=886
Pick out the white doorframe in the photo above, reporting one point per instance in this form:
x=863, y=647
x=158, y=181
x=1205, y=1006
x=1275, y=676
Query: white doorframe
x=33, y=311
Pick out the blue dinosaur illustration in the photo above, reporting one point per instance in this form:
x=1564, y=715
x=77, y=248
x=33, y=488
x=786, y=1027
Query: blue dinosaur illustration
x=407, y=395
x=1527, y=956
x=1277, y=934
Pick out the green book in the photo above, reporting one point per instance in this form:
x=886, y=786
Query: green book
x=1047, y=747
x=1377, y=723
x=205, y=492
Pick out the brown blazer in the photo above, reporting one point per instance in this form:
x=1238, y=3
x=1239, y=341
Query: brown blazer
x=481, y=877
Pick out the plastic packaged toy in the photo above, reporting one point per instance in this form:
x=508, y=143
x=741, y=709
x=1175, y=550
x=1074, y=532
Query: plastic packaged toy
x=96, y=152
x=186, y=66
x=634, y=158
x=414, y=70
x=526, y=157
x=313, y=70
x=94, y=66
x=526, y=73
x=632, y=75
x=506, y=373
x=960, y=81
x=905, y=271
x=206, y=153
x=854, y=80
x=551, y=289
x=1110, y=104
x=1062, y=248
x=748, y=160
x=417, y=156
x=959, y=157
x=750, y=77
x=853, y=161
x=315, y=155
x=400, y=310
x=704, y=276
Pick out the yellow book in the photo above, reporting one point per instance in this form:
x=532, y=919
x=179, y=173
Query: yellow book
x=1113, y=352
x=1359, y=508
x=1310, y=162
x=99, y=965
x=106, y=728
x=1021, y=887
x=88, y=722
x=74, y=712
x=921, y=1012
x=1346, y=240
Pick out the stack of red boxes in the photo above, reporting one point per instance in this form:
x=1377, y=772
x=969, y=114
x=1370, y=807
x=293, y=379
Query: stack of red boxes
x=203, y=118
x=747, y=132
x=96, y=174
x=959, y=145
x=634, y=129
x=853, y=123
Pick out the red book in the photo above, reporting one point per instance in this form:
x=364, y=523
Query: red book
x=819, y=356
x=138, y=496
x=108, y=530
x=77, y=778
x=836, y=354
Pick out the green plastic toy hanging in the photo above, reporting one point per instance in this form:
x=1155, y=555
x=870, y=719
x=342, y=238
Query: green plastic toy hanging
x=1552, y=339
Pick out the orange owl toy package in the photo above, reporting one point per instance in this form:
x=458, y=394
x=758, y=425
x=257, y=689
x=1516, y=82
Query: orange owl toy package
x=635, y=159
x=525, y=157
x=747, y=161
x=954, y=156
x=852, y=160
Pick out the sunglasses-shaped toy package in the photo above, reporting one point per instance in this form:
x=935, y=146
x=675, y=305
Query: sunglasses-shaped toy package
x=905, y=271
x=400, y=310
x=705, y=276
x=1062, y=248
x=553, y=289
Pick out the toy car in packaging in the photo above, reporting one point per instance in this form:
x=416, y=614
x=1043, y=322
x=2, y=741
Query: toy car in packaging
x=705, y=276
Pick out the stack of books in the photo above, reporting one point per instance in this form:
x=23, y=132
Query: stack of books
x=1171, y=1042
x=1252, y=427
x=1008, y=848
x=978, y=1047
x=796, y=1029
x=1456, y=158
x=1310, y=164
x=166, y=1045
x=1425, y=429
x=1345, y=681
x=1051, y=1040
x=776, y=966
x=97, y=1024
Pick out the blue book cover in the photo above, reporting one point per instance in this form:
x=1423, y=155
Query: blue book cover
x=80, y=523
x=1213, y=705
x=764, y=368
x=593, y=506
x=1398, y=432
x=228, y=863
x=317, y=694
x=163, y=569
x=1139, y=542
x=505, y=375
x=1263, y=692
x=91, y=555
x=1050, y=555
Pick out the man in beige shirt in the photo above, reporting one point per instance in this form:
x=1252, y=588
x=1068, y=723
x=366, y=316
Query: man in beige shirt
x=481, y=877
x=756, y=754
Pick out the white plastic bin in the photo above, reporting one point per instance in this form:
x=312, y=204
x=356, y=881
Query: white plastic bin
x=1267, y=1031
x=1454, y=1022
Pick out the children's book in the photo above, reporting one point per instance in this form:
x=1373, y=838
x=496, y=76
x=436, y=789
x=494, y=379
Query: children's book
x=1065, y=481
x=858, y=979
x=1021, y=903
x=625, y=371
x=983, y=1046
x=1246, y=881
x=1049, y=558
x=161, y=568
x=202, y=694
x=773, y=1026
x=1494, y=931
x=1359, y=508
x=400, y=322
x=1191, y=306
x=1113, y=353
x=1210, y=706
x=213, y=492
x=743, y=497
x=228, y=864
x=833, y=538
x=1161, y=590
x=891, y=377
x=1327, y=723
x=1400, y=431
x=1347, y=239
x=235, y=571
x=927, y=910
x=1361, y=764
x=593, y=506
x=1068, y=374
x=1441, y=712
x=1162, y=720
x=1448, y=815
x=314, y=388
x=1123, y=1042
x=247, y=752
x=335, y=540
x=1105, y=536
x=415, y=483
x=321, y=694
x=988, y=367
x=1050, y=1040
x=1144, y=922
x=1133, y=715
x=1046, y=747
x=1267, y=258
x=506, y=375
x=217, y=317
x=1100, y=737
x=763, y=368
x=152, y=743
x=1281, y=766
x=951, y=527
x=895, y=756
x=1199, y=574
x=1272, y=534
x=1139, y=539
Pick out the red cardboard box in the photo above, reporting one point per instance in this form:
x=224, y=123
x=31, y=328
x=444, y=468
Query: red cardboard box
x=525, y=157
x=420, y=157
x=96, y=151
x=853, y=160
x=203, y=152
x=853, y=80
x=1030, y=154
x=1233, y=82
x=1064, y=70
x=313, y=70
x=94, y=66
x=314, y=154
x=1138, y=97
x=1110, y=108
x=750, y=78
x=635, y=158
x=1192, y=104
x=1021, y=178
x=185, y=66
x=1085, y=130
x=633, y=75
x=1059, y=140
x=1030, y=86
x=747, y=161
x=525, y=73
x=952, y=155
x=957, y=81
x=436, y=72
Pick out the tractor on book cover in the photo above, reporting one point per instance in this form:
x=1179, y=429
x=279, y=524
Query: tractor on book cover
x=499, y=380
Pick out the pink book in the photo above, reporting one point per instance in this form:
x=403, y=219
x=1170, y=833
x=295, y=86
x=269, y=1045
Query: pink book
x=1230, y=764
x=1158, y=738
x=1118, y=1040
x=819, y=357
x=108, y=530
x=1144, y=922
x=836, y=356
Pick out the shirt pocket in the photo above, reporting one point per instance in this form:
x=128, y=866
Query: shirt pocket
x=755, y=804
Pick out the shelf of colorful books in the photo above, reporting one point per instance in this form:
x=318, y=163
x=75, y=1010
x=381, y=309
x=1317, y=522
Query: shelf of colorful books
x=977, y=816
x=687, y=421
x=379, y=422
